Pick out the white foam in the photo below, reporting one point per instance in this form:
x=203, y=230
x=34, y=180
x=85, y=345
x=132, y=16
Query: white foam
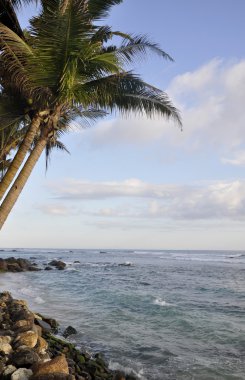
x=128, y=370
x=39, y=300
x=160, y=302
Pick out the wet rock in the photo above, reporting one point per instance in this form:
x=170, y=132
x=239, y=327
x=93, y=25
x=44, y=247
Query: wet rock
x=48, y=268
x=77, y=262
x=51, y=322
x=119, y=376
x=69, y=331
x=3, y=265
x=44, y=325
x=58, y=264
x=21, y=374
x=56, y=365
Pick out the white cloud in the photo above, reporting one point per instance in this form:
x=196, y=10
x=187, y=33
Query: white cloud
x=216, y=200
x=55, y=209
x=211, y=100
x=237, y=160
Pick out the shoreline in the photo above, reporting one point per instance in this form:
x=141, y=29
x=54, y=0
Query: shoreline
x=30, y=350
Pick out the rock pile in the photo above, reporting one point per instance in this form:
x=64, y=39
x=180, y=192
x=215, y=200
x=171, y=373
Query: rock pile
x=29, y=350
x=12, y=264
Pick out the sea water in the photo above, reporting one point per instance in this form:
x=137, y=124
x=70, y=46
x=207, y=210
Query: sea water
x=158, y=314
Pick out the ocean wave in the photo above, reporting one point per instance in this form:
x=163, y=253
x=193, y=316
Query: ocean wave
x=115, y=366
x=160, y=302
x=39, y=300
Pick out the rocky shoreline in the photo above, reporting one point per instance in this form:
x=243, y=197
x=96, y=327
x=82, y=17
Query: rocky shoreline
x=11, y=264
x=29, y=348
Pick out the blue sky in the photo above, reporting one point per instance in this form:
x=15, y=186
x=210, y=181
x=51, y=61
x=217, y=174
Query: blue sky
x=138, y=183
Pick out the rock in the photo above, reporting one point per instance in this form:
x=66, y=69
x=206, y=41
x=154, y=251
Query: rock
x=69, y=331
x=33, y=268
x=51, y=322
x=119, y=376
x=14, y=267
x=3, y=265
x=37, y=329
x=48, y=268
x=5, y=339
x=24, y=357
x=77, y=262
x=28, y=338
x=44, y=325
x=6, y=297
x=24, y=325
x=58, y=264
x=22, y=374
x=6, y=348
x=56, y=365
x=42, y=345
x=9, y=370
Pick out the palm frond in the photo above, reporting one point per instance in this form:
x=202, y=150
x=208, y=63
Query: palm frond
x=8, y=16
x=138, y=47
x=99, y=9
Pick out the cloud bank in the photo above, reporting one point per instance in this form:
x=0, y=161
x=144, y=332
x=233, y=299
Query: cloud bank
x=134, y=198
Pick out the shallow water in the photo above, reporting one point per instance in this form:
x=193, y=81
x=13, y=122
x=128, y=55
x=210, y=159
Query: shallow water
x=163, y=315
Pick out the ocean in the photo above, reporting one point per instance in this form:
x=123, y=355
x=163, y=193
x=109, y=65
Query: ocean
x=159, y=314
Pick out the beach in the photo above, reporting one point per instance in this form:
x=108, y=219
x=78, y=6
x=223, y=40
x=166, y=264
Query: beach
x=155, y=314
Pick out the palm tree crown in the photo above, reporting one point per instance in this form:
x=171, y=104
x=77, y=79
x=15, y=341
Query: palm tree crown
x=63, y=69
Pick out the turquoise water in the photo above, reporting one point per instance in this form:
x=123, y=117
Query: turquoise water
x=164, y=315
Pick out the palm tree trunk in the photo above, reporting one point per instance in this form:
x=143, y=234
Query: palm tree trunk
x=21, y=180
x=20, y=155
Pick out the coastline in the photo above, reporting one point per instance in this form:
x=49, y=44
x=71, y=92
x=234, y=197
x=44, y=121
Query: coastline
x=30, y=348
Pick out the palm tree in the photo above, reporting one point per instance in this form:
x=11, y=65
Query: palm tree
x=63, y=70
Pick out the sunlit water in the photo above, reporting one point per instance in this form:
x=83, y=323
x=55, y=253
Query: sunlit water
x=169, y=315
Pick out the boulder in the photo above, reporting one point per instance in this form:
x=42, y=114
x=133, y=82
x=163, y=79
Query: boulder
x=24, y=357
x=48, y=268
x=58, y=264
x=42, y=345
x=69, y=331
x=14, y=267
x=9, y=370
x=24, y=325
x=28, y=338
x=21, y=374
x=119, y=376
x=6, y=348
x=3, y=265
x=44, y=325
x=56, y=365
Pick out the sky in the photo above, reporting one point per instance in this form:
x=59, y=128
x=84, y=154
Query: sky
x=143, y=183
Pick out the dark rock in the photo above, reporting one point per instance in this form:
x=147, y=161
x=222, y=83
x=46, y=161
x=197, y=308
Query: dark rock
x=58, y=264
x=33, y=268
x=24, y=358
x=48, y=268
x=52, y=322
x=3, y=265
x=69, y=331
x=14, y=267
x=77, y=262
x=119, y=376
x=44, y=325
